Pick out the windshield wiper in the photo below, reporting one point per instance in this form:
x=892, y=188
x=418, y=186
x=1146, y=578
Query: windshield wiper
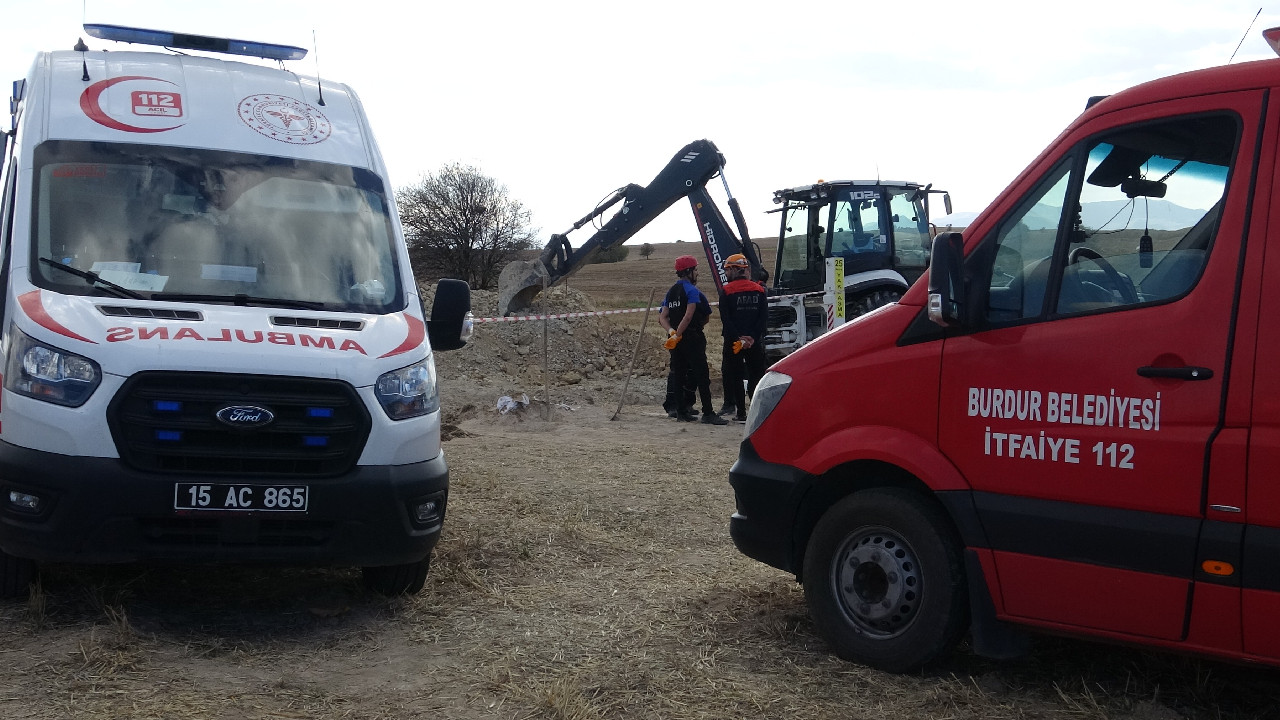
x=95, y=280
x=239, y=299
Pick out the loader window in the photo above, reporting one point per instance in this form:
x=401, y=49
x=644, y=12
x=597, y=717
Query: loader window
x=910, y=229
x=858, y=233
x=856, y=225
x=800, y=265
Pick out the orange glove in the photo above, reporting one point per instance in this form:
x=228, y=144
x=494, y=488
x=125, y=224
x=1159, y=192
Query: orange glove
x=672, y=340
x=737, y=346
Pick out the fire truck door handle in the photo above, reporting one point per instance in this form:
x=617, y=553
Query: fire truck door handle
x=1189, y=372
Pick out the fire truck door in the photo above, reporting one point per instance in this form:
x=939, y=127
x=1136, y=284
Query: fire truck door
x=1081, y=404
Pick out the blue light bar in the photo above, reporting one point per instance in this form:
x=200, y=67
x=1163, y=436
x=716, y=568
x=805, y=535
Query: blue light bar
x=169, y=435
x=166, y=406
x=315, y=440
x=183, y=41
x=319, y=412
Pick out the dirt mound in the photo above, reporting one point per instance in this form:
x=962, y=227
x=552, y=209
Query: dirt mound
x=585, y=359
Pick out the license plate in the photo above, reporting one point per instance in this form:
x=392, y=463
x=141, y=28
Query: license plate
x=258, y=498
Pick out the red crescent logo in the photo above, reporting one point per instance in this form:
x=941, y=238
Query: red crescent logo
x=89, y=104
x=417, y=331
x=34, y=308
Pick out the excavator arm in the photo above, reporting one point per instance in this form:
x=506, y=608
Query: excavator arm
x=686, y=175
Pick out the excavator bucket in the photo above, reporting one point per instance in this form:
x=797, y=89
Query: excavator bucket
x=519, y=283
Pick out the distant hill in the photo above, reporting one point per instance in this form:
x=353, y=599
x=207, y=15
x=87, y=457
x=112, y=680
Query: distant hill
x=1152, y=214
x=959, y=219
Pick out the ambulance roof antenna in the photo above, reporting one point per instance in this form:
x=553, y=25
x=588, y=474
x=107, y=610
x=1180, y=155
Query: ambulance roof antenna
x=81, y=47
x=319, y=87
x=1246, y=34
x=84, y=66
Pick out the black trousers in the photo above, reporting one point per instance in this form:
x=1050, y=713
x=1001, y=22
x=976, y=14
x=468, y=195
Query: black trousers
x=747, y=365
x=689, y=374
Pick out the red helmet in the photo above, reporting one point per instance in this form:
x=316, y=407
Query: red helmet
x=684, y=262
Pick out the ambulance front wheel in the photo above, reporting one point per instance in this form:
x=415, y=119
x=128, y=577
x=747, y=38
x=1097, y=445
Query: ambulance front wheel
x=884, y=580
x=16, y=576
x=393, y=580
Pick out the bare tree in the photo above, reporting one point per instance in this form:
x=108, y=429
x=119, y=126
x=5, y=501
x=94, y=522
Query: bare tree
x=461, y=223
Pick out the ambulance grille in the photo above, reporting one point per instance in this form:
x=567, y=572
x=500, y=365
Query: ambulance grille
x=142, y=312
x=168, y=422
x=322, y=323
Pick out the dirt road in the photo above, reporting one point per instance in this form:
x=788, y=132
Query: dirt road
x=585, y=572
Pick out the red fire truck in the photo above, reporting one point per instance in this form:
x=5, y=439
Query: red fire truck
x=1073, y=424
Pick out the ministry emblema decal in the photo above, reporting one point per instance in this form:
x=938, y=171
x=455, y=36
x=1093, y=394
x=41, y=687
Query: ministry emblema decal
x=285, y=119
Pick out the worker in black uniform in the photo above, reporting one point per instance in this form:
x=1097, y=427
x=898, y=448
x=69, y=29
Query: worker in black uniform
x=744, y=311
x=685, y=311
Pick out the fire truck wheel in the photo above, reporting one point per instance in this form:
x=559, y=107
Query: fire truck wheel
x=884, y=580
x=16, y=576
x=393, y=580
x=864, y=304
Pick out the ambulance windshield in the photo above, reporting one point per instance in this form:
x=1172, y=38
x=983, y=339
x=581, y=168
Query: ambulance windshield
x=203, y=223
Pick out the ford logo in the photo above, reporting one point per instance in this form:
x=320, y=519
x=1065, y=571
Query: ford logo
x=245, y=415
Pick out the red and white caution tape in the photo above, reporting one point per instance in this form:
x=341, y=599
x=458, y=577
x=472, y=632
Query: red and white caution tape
x=560, y=316
x=595, y=313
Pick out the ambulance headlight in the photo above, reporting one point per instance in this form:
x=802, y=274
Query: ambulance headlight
x=768, y=394
x=48, y=373
x=410, y=391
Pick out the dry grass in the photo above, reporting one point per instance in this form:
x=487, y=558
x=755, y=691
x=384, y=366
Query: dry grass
x=627, y=284
x=585, y=572
x=607, y=592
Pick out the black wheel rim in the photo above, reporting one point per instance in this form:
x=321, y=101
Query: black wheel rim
x=876, y=578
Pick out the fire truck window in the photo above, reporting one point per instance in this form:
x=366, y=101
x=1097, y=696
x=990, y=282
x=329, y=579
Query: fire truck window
x=1024, y=252
x=1147, y=212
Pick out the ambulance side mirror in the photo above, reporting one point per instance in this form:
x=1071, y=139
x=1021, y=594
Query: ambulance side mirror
x=451, y=325
x=946, y=281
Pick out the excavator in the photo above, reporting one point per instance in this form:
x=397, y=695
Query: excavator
x=687, y=175
x=844, y=248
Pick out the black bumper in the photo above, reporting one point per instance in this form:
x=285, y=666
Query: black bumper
x=767, y=498
x=100, y=511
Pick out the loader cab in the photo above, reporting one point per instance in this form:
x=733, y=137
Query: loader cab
x=871, y=225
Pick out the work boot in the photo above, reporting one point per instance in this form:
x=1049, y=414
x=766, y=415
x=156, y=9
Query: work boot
x=740, y=417
x=713, y=419
x=727, y=409
x=686, y=416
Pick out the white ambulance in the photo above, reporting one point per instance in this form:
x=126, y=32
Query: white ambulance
x=213, y=346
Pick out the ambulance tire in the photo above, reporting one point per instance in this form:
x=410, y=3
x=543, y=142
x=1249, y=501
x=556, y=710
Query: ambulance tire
x=863, y=304
x=16, y=576
x=394, y=580
x=884, y=580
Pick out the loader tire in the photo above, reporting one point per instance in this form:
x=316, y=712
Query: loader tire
x=863, y=304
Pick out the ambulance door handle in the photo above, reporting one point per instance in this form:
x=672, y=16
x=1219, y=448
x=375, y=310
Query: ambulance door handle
x=1190, y=372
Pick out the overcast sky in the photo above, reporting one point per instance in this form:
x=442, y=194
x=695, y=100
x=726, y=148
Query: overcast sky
x=563, y=102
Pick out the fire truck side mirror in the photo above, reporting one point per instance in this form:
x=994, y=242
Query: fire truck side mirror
x=946, y=282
